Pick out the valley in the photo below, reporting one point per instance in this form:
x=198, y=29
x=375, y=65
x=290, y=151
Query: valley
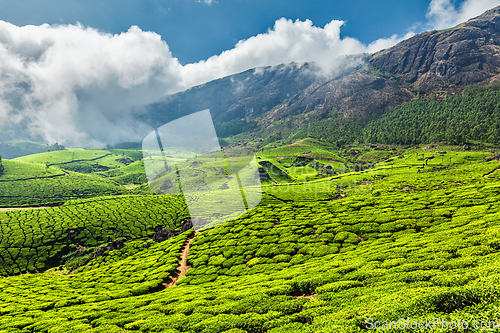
x=374, y=198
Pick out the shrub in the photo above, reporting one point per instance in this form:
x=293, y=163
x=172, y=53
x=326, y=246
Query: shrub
x=338, y=286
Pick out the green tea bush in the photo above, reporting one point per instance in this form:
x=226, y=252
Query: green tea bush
x=51, y=234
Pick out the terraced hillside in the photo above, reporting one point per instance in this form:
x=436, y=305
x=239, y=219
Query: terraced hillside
x=54, y=177
x=27, y=184
x=414, y=237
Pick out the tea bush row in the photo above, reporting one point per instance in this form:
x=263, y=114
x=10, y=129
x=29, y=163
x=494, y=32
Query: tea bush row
x=32, y=240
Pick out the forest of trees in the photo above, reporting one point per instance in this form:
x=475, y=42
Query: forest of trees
x=233, y=127
x=1, y=166
x=473, y=115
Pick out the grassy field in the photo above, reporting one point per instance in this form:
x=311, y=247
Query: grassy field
x=63, y=156
x=71, y=159
x=305, y=148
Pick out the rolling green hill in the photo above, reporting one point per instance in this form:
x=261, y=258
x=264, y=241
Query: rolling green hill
x=34, y=240
x=69, y=158
x=63, y=156
x=28, y=184
x=132, y=174
x=413, y=237
x=51, y=178
x=17, y=171
x=353, y=228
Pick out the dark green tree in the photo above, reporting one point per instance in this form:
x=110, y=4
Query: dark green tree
x=55, y=147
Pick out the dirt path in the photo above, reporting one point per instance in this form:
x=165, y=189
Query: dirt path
x=183, y=267
x=313, y=296
x=22, y=208
x=89, y=160
x=32, y=178
x=492, y=172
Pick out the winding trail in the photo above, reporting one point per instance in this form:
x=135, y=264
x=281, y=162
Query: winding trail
x=33, y=178
x=492, y=172
x=313, y=296
x=89, y=160
x=183, y=267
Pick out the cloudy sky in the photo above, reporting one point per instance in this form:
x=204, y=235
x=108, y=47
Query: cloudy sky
x=77, y=72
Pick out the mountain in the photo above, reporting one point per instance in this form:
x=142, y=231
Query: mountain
x=15, y=148
x=435, y=63
x=247, y=94
x=429, y=62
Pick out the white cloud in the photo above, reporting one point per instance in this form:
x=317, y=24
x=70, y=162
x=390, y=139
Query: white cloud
x=444, y=14
x=287, y=42
x=81, y=87
x=208, y=2
x=78, y=86
x=385, y=43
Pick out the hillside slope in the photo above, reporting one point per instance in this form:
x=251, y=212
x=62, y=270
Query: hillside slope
x=407, y=242
x=427, y=63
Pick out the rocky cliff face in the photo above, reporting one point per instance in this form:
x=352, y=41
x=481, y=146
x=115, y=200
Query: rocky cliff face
x=360, y=93
x=464, y=55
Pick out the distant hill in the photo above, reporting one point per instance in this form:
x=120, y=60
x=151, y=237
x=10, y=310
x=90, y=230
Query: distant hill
x=16, y=148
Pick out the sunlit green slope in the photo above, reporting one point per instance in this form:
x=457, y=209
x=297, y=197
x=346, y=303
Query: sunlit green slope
x=52, y=178
x=407, y=239
x=28, y=184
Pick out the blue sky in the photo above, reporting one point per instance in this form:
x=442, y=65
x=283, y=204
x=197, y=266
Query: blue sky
x=195, y=30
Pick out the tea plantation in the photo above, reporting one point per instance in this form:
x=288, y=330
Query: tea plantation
x=34, y=239
x=397, y=233
x=52, y=178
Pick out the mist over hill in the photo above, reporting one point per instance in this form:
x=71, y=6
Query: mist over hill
x=435, y=63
